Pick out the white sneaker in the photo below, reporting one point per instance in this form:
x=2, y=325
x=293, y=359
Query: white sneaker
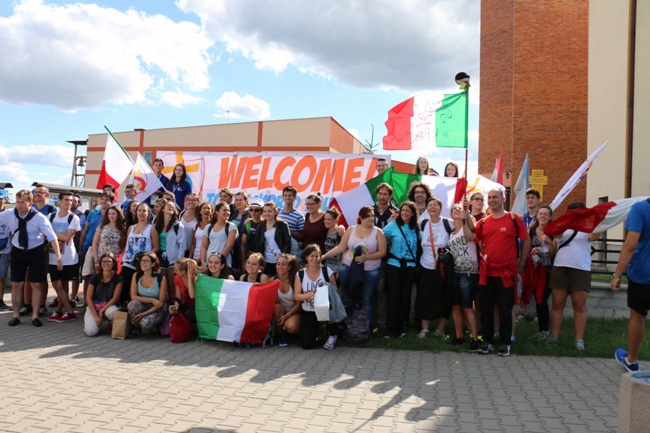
x=330, y=343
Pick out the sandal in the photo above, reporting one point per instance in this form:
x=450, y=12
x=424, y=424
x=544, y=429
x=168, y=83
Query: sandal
x=423, y=333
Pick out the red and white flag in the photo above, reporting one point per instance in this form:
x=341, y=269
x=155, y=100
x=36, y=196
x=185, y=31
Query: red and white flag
x=117, y=164
x=577, y=177
x=595, y=219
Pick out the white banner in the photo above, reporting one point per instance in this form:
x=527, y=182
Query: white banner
x=264, y=175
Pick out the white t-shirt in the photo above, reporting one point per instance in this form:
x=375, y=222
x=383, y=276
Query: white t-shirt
x=465, y=254
x=5, y=232
x=271, y=248
x=577, y=254
x=440, y=240
x=218, y=239
x=308, y=286
x=69, y=254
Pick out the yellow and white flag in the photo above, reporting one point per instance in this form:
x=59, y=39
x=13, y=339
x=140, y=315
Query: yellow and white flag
x=145, y=180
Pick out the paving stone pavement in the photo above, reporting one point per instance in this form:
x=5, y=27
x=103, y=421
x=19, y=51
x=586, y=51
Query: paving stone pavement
x=56, y=379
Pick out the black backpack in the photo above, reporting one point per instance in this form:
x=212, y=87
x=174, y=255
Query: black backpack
x=357, y=330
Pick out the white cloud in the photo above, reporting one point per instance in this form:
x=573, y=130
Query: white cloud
x=411, y=45
x=179, y=99
x=83, y=55
x=248, y=107
x=57, y=156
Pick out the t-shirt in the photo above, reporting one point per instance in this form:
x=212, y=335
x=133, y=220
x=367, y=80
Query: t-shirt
x=294, y=219
x=94, y=219
x=104, y=291
x=465, y=253
x=331, y=241
x=440, y=240
x=185, y=293
x=638, y=220
x=271, y=248
x=218, y=239
x=69, y=254
x=315, y=232
x=398, y=245
x=5, y=245
x=308, y=285
x=576, y=254
x=499, y=237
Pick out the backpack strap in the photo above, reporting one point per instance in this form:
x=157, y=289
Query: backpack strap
x=301, y=274
x=445, y=222
x=159, y=277
x=423, y=224
x=210, y=230
x=51, y=217
x=564, y=244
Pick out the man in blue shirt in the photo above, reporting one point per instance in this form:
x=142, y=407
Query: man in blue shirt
x=635, y=255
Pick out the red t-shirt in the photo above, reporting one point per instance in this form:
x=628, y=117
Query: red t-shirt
x=500, y=245
x=185, y=294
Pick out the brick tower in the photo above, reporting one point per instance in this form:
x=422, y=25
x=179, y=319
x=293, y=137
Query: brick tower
x=534, y=61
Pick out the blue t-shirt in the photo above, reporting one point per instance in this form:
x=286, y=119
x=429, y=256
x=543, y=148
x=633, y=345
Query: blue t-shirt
x=638, y=220
x=93, y=220
x=180, y=190
x=398, y=246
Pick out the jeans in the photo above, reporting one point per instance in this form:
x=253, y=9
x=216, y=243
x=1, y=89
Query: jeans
x=368, y=291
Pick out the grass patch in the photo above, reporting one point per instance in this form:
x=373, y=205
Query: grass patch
x=602, y=337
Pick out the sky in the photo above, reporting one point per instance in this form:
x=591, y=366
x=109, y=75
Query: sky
x=69, y=68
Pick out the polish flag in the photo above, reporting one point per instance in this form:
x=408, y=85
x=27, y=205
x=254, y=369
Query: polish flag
x=595, y=219
x=117, y=164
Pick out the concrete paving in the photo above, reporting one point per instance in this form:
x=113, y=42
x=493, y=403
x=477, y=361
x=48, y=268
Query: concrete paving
x=55, y=379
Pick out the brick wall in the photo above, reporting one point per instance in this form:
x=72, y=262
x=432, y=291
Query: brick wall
x=534, y=88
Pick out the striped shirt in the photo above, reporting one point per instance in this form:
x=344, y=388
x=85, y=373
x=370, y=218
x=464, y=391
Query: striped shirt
x=294, y=219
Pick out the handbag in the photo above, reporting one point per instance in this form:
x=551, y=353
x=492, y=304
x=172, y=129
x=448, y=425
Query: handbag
x=180, y=329
x=121, y=325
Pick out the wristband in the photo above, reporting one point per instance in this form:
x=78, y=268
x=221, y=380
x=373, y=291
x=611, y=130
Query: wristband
x=616, y=276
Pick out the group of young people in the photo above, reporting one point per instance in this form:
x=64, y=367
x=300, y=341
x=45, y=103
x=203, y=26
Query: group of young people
x=144, y=258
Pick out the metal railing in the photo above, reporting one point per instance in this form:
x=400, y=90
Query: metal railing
x=605, y=255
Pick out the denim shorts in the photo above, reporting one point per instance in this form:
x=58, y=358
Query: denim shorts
x=465, y=287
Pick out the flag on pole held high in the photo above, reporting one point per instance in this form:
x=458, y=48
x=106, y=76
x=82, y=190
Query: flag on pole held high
x=497, y=174
x=427, y=120
x=597, y=219
x=145, y=180
x=523, y=183
x=117, y=163
x=577, y=177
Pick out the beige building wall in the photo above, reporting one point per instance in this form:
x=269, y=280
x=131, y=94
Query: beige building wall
x=641, y=137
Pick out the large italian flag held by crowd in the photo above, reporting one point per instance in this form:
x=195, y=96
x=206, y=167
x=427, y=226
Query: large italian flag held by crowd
x=116, y=165
x=228, y=310
x=443, y=188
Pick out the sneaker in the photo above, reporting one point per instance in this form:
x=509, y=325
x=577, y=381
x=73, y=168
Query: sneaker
x=504, y=351
x=4, y=307
x=423, y=333
x=485, y=349
x=402, y=335
x=55, y=316
x=621, y=356
x=473, y=346
x=54, y=303
x=580, y=344
x=26, y=310
x=67, y=317
x=438, y=333
x=283, y=340
x=457, y=341
x=42, y=312
x=330, y=343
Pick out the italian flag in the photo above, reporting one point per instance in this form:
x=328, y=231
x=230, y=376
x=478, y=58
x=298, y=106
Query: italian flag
x=443, y=188
x=597, y=219
x=426, y=120
x=228, y=310
x=117, y=164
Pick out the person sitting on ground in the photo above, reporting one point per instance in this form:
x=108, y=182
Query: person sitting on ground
x=254, y=266
x=285, y=312
x=147, y=308
x=185, y=296
x=103, y=295
x=218, y=267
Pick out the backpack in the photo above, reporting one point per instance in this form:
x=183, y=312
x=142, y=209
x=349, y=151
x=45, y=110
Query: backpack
x=358, y=327
x=53, y=215
x=445, y=222
x=180, y=329
x=212, y=225
x=323, y=269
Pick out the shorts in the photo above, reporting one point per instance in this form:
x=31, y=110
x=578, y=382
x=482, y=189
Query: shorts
x=4, y=265
x=68, y=273
x=465, y=288
x=638, y=297
x=570, y=279
x=89, y=264
x=32, y=260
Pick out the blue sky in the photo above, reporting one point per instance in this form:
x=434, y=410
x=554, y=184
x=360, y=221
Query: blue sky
x=70, y=68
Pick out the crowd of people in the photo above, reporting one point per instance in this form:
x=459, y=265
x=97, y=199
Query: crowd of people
x=473, y=266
